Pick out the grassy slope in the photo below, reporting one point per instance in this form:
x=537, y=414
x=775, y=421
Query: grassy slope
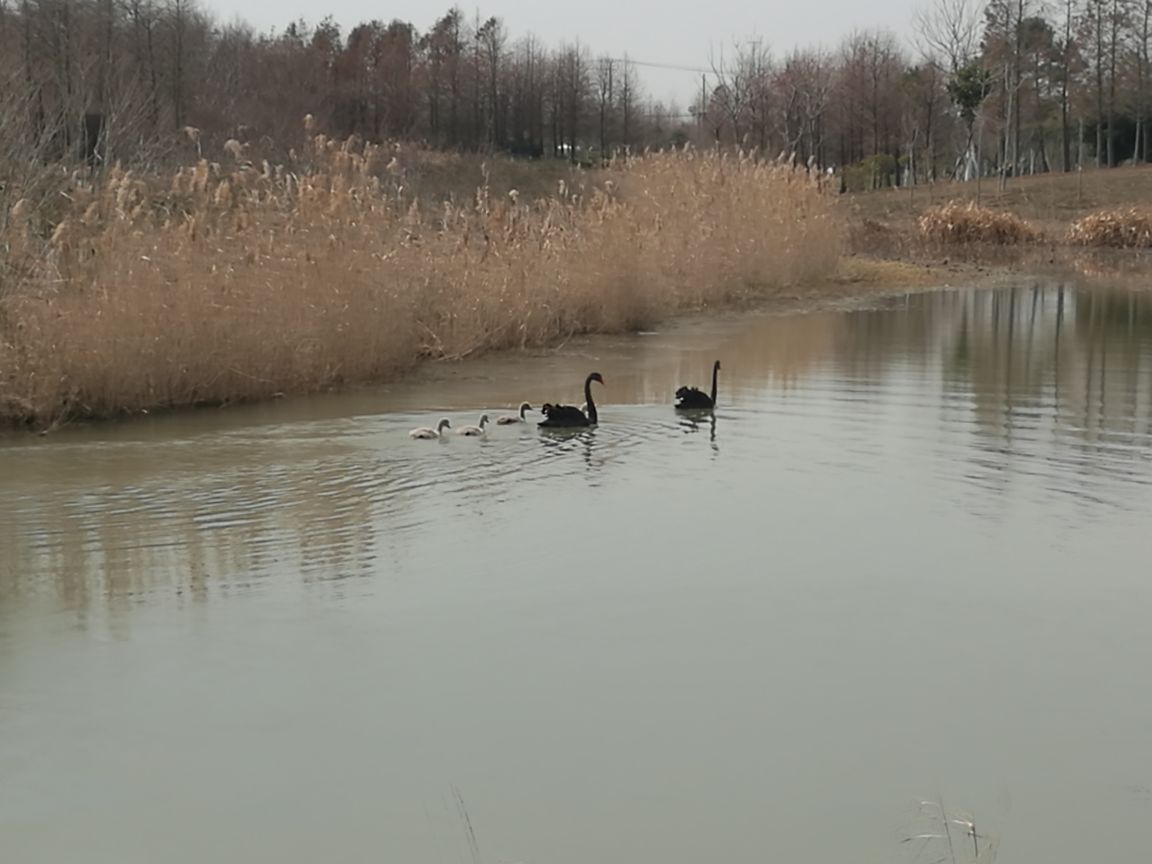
x=1051, y=201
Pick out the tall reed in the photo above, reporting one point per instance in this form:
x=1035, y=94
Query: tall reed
x=227, y=283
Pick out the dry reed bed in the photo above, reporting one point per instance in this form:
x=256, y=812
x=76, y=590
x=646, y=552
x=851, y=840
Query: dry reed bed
x=218, y=285
x=960, y=223
x=1118, y=229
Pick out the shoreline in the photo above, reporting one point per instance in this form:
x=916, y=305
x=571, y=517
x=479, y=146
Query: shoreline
x=859, y=279
x=263, y=292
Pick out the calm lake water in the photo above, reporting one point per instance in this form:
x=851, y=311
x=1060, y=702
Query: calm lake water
x=908, y=561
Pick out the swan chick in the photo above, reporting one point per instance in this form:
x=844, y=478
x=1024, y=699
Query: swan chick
x=426, y=432
x=474, y=430
x=513, y=418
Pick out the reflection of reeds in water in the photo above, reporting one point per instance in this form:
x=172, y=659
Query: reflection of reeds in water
x=95, y=527
x=1037, y=372
x=1040, y=377
x=105, y=543
x=764, y=349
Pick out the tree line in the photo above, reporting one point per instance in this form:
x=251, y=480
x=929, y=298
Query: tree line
x=1006, y=87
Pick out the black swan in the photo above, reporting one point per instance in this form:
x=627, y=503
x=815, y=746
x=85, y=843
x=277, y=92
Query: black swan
x=425, y=432
x=692, y=399
x=512, y=418
x=556, y=416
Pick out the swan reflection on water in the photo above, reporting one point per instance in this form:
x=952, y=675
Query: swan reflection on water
x=690, y=423
x=561, y=441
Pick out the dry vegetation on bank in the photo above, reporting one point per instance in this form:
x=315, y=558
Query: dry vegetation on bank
x=225, y=284
x=1117, y=229
x=968, y=223
x=1043, y=220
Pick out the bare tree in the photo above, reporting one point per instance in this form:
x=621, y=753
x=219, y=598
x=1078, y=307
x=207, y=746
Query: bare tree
x=950, y=29
x=492, y=39
x=628, y=98
x=605, y=99
x=1140, y=142
x=1067, y=53
x=741, y=98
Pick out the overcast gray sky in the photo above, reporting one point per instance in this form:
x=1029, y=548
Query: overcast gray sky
x=647, y=30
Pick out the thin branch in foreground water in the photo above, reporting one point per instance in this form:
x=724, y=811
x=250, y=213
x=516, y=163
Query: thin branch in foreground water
x=473, y=846
x=933, y=837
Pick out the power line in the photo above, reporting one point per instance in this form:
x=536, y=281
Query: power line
x=699, y=70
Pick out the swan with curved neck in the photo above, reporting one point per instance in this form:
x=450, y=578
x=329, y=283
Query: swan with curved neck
x=512, y=418
x=474, y=431
x=690, y=398
x=426, y=432
x=558, y=416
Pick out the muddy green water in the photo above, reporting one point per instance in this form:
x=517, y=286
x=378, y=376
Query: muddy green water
x=909, y=560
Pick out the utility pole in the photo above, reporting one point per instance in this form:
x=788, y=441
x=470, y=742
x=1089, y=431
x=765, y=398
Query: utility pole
x=703, y=98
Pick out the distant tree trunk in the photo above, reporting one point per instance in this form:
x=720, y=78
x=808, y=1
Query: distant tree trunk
x=1017, y=69
x=605, y=73
x=490, y=37
x=455, y=48
x=62, y=48
x=29, y=78
x=1065, y=65
x=627, y=96
x=179, y=23
x=434, y=93
x=104, y=93
x=1144, y=36
x=154, y=76
x=477, y=103
x=1141, y=62
x=929, y=129
x=1099, y=39
x=1113, y=38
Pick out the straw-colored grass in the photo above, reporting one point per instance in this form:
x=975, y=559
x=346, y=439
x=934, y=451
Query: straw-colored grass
x=1118, y=229
x=962, y=223
x=223, y=284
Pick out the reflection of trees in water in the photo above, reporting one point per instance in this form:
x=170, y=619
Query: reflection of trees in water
x=1010, y=350
x=780, y=349
x=111, y=544
x=1019, y=353
x=95, y=528
x=1057, y=382
x=1043, y=372
x=1110, y=394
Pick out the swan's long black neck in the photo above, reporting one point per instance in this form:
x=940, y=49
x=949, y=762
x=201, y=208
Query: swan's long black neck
x=588, y=398
x=715, y=371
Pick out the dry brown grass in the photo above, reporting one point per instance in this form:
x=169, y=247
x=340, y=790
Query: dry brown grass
x=963, y=223
x=1043, y=199
x=1117, y=229
x=232, y=283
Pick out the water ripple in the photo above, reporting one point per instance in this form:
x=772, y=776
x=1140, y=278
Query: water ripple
x=882, y=405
